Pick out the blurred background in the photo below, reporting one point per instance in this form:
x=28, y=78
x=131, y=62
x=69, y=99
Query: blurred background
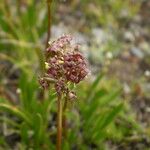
x=113, y=106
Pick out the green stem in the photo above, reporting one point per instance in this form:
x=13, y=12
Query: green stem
x=64, y=120
x=59, y=123
x=49, y=2
x=41, y=59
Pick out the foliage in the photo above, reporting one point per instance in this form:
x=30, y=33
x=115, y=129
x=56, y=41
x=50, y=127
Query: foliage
x=94, y=119
x=34, y=123
x=23, y=36
x=110, y=12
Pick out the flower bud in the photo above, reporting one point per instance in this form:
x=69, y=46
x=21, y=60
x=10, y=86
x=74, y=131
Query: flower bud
x=72, y=95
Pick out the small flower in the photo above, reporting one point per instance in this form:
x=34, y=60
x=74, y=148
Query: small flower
x=55, y=69
x=75, y=67
x=44, y=83
x=60, y=87
x=72, y=95
x=147, y=73
x=59, y=44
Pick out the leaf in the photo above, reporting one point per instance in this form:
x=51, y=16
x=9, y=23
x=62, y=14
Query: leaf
x=41, y=135
x=111, y=115
x=24, y=133
x=28, y=90
x=38, y=128
x=96, y=82
x=102, y=123
x=9, y=121
x=93, y=87
x=95, y=103
x=100, y=93
x=14, y=110
x=20, y=65
x=105, y=100
x=3, y=142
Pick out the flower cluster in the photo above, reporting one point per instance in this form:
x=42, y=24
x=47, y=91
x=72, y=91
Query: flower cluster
x=75, y=67
x=64, y=65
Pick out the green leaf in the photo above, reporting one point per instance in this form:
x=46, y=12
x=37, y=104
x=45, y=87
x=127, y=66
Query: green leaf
x=93, y=87
x=39, y=129
x=100, y=125
x=9, y=121
x=111, y=115
x=90, y=109
x=14, y=110
x=109, y=98
x=24, y=133
x=28, y=90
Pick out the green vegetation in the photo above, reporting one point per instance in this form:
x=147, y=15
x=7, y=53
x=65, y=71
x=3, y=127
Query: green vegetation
x=102, y=115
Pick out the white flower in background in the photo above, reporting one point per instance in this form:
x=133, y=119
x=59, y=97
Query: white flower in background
x=147, y=73
x=109, y=55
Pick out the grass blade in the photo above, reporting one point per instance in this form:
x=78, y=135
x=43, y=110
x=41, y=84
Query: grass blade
x=14, y=110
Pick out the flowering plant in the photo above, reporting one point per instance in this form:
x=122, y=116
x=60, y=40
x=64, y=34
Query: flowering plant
x=65, y=66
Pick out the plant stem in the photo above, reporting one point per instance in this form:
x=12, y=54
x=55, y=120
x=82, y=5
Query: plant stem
x=59, y=123
x=49, y=21
x=41, y=59
x=6, y=4
x=64, y=117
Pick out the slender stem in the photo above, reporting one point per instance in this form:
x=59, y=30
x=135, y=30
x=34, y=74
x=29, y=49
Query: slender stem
x=19, y=3
x=59, y=123
x=6, y=3
x=64, y=123
x=49, y=21
x=41, y=59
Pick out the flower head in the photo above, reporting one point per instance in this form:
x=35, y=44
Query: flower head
x=65, y=65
